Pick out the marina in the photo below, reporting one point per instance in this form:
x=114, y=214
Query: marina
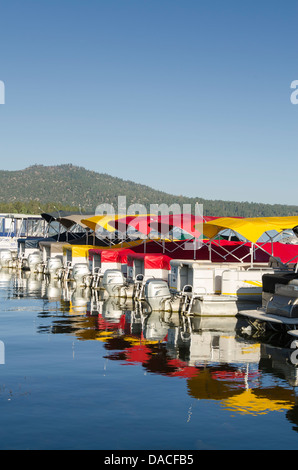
x=148, y=228
x=220, y=270
x=100, y=340
x=83, y=372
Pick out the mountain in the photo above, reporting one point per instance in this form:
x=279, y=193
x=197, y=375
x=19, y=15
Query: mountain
x=67, y=187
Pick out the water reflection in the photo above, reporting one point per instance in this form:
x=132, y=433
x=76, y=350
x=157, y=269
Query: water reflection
x=244, y=375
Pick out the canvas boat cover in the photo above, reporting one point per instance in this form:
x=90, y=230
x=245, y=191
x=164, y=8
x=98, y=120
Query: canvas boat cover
x=56, y=247
x=251, y=228
x=151, y=261
x=163, y=224
x=32, y=242
x=123, y=223
x=77, y=250
x=80, y=250
x=147, y=223
x=53, y=216
x=111, y=256
x=108, y=222
x=65, y=218
x=71, y=220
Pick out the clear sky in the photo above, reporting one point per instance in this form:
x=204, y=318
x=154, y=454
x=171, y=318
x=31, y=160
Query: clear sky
x=188, y=96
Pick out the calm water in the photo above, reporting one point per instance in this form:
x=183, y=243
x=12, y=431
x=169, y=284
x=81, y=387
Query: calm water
x=83, y=373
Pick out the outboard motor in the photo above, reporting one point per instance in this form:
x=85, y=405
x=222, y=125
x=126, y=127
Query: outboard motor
x=54, y=265
x=113, y=280
x=33, y=261
x=114, y=283
x=81, y=274
x=157, y=292
x=6, y=260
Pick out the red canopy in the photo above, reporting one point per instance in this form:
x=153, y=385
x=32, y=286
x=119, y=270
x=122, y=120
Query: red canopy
x=161, y=223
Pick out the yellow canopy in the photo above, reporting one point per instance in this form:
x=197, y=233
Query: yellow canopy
x=251, y=228
x=104, y=221
x=98, y=221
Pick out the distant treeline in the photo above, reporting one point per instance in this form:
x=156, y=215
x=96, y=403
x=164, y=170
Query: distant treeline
x=68, y=187
x=33, y=207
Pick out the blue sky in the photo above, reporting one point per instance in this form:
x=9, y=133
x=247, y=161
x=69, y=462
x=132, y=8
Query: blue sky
x=191, y=97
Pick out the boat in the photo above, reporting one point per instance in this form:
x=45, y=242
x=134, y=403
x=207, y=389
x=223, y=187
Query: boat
x=217, y=276
x=229, y=280
x=28, y=250
x=80, y=256
x=279, y=306
x=101, y=260
x=65, y=230
x=34, y=252
x=123, y=268
x=279, y=310
x=15, y=227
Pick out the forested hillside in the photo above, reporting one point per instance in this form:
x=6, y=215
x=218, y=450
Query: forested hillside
x=68, y=187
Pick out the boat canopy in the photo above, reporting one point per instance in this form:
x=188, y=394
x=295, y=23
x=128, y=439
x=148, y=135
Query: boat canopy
x=65, y=218
x=251, y=228
x=123, y=223
x=163, y=224
x=53, y=216
x=101, y=221
x=70, y=220
x=148, y=223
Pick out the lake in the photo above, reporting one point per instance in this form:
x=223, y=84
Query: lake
x=79, y=371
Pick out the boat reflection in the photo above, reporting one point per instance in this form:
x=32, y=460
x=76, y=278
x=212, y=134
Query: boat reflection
x=242, y=374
